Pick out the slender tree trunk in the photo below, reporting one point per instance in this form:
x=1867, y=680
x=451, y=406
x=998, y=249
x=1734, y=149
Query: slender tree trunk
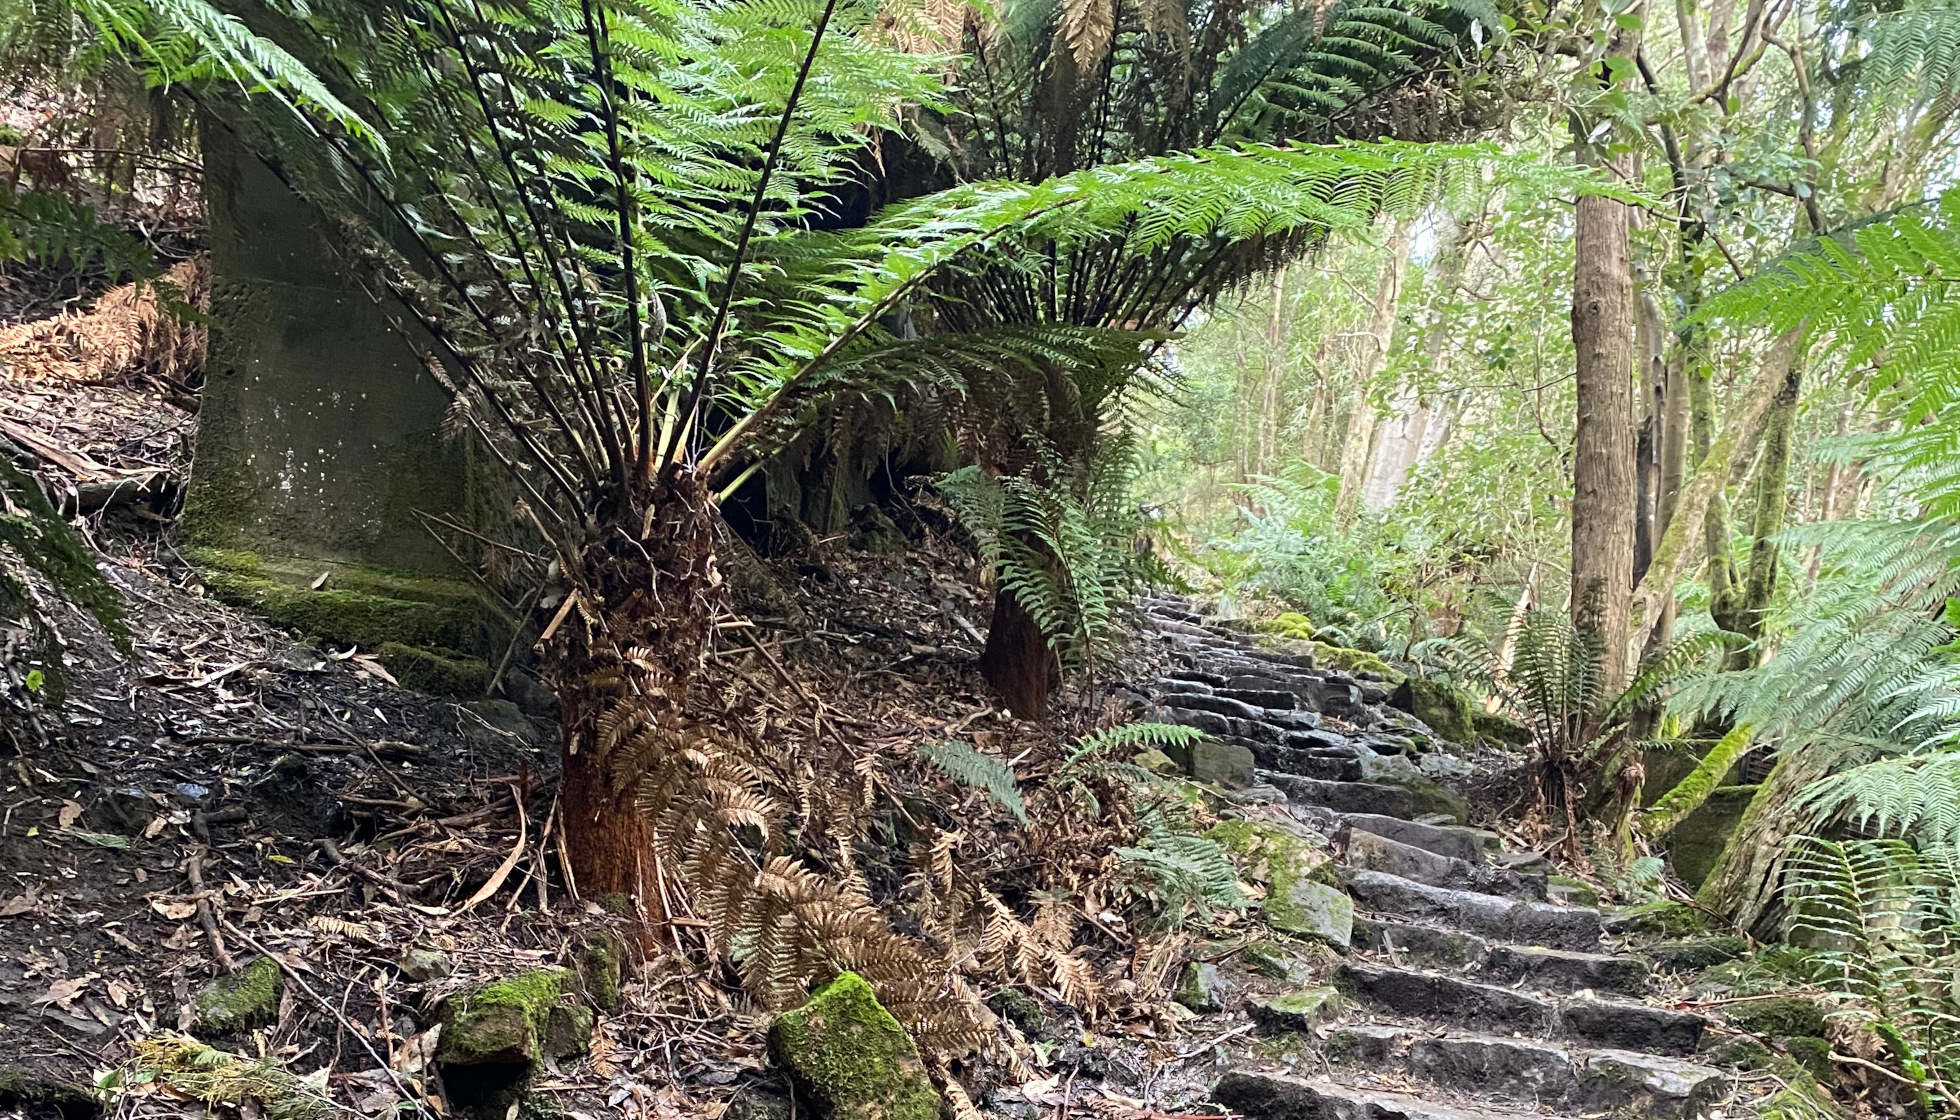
x=1772, y=499
x=1374, y=354
x=1275, y=373
x=1603, y=491
x=1649, y=446
x=1711, y=476
x=1406, y=437
x=620, y=657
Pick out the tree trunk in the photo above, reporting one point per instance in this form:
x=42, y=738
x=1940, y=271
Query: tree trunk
x=619, y=655
x=1374, y=354
x=1743, y=884
x=1018, y=661
x=1602, y=471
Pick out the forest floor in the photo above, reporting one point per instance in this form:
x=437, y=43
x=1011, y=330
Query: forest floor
x=227, y=792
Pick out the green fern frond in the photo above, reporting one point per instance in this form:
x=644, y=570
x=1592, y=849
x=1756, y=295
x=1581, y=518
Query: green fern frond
x=969, y=767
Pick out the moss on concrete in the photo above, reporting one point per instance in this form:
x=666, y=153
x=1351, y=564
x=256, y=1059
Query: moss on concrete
x=1354, y=661
x=247, y=998
x=359, y=606
x=848, y=1053
x=434, y=673
x=1662, y=918
x=1695, y=845
x=1301, y=892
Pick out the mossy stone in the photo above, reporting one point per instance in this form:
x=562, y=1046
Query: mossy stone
x=1272, y=960
x=423, y=965
x=1813, y=1054
x=1160, y=764
x=245, y=999
x=1300, y=895
x=847, y=1053
x=1297, y=1011
x=1018, y=1008
x=568, y=1030
x=1697, y=953
x=362, y=606
x=1568, y=891
x=1444, y=707
x=1354, y=661
x=1502, y=730
x=1660, y=918
x=30, y=1094
x=502, y=1022
x=601, y=970
x=1777, y=1017
x=1202, y=988
x=1740, y=1052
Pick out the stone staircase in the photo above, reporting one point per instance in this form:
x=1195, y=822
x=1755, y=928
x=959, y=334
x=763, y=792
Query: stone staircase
x=1466, y=995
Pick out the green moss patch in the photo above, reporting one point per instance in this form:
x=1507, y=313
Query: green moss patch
x=434, y=673
x=357, y=605
x=1777, y=1017
x=1697, y=953
x=1447, y=710
x=1301, y=892
x=502, y=1022
x=852, y=1058
x=247, y=998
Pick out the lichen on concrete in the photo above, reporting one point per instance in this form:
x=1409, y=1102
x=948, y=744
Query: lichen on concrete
x=851, y=1057
x=245, y=999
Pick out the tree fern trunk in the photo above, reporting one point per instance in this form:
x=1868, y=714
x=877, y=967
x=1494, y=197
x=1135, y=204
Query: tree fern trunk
x=620, y=660
x=1018, y=661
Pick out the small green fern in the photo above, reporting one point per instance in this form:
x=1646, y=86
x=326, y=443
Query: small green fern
x=1184, y=874
x=967, y=766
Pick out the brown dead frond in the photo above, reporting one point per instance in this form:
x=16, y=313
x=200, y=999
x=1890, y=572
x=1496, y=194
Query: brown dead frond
x=133, y=333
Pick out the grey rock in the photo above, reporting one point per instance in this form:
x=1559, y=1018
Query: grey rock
x=1429, y=945
x=1646, y=1085
x=1373, y=1046
x=423, y=965
x=1350, y=797
x=1223, y=705
x=1521, y=1070
x=1202, y=988
x=1271, y=1096
x=1262, y=697
x=1211, y=723
x=1226, y=764
x=1313, y=909
x=1296, y=1011
x=1308, y=739
x=1456, y=841
x=1195, y=688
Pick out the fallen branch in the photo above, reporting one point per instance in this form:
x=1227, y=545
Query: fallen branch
x=206, y=915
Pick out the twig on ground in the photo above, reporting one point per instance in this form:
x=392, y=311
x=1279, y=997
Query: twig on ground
x=206, y=915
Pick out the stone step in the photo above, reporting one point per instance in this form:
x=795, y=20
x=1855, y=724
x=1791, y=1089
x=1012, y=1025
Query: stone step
x=1431, y=995
x=1456, y=841
x=1273, y=1096
x=1465, y=1003
x=1537, y=1073
x=1562, y=970
x=1349, y=797
x=1501, y=919
x=1544, y=970
x=1368, y=851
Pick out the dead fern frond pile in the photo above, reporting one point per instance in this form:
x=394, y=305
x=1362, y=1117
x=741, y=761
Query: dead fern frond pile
x=137, y=332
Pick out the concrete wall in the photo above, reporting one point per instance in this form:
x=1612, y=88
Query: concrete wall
x=319, y=433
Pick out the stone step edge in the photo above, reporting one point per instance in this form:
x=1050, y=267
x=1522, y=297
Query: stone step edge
x=1382, y=1046
x=1275, y=1096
